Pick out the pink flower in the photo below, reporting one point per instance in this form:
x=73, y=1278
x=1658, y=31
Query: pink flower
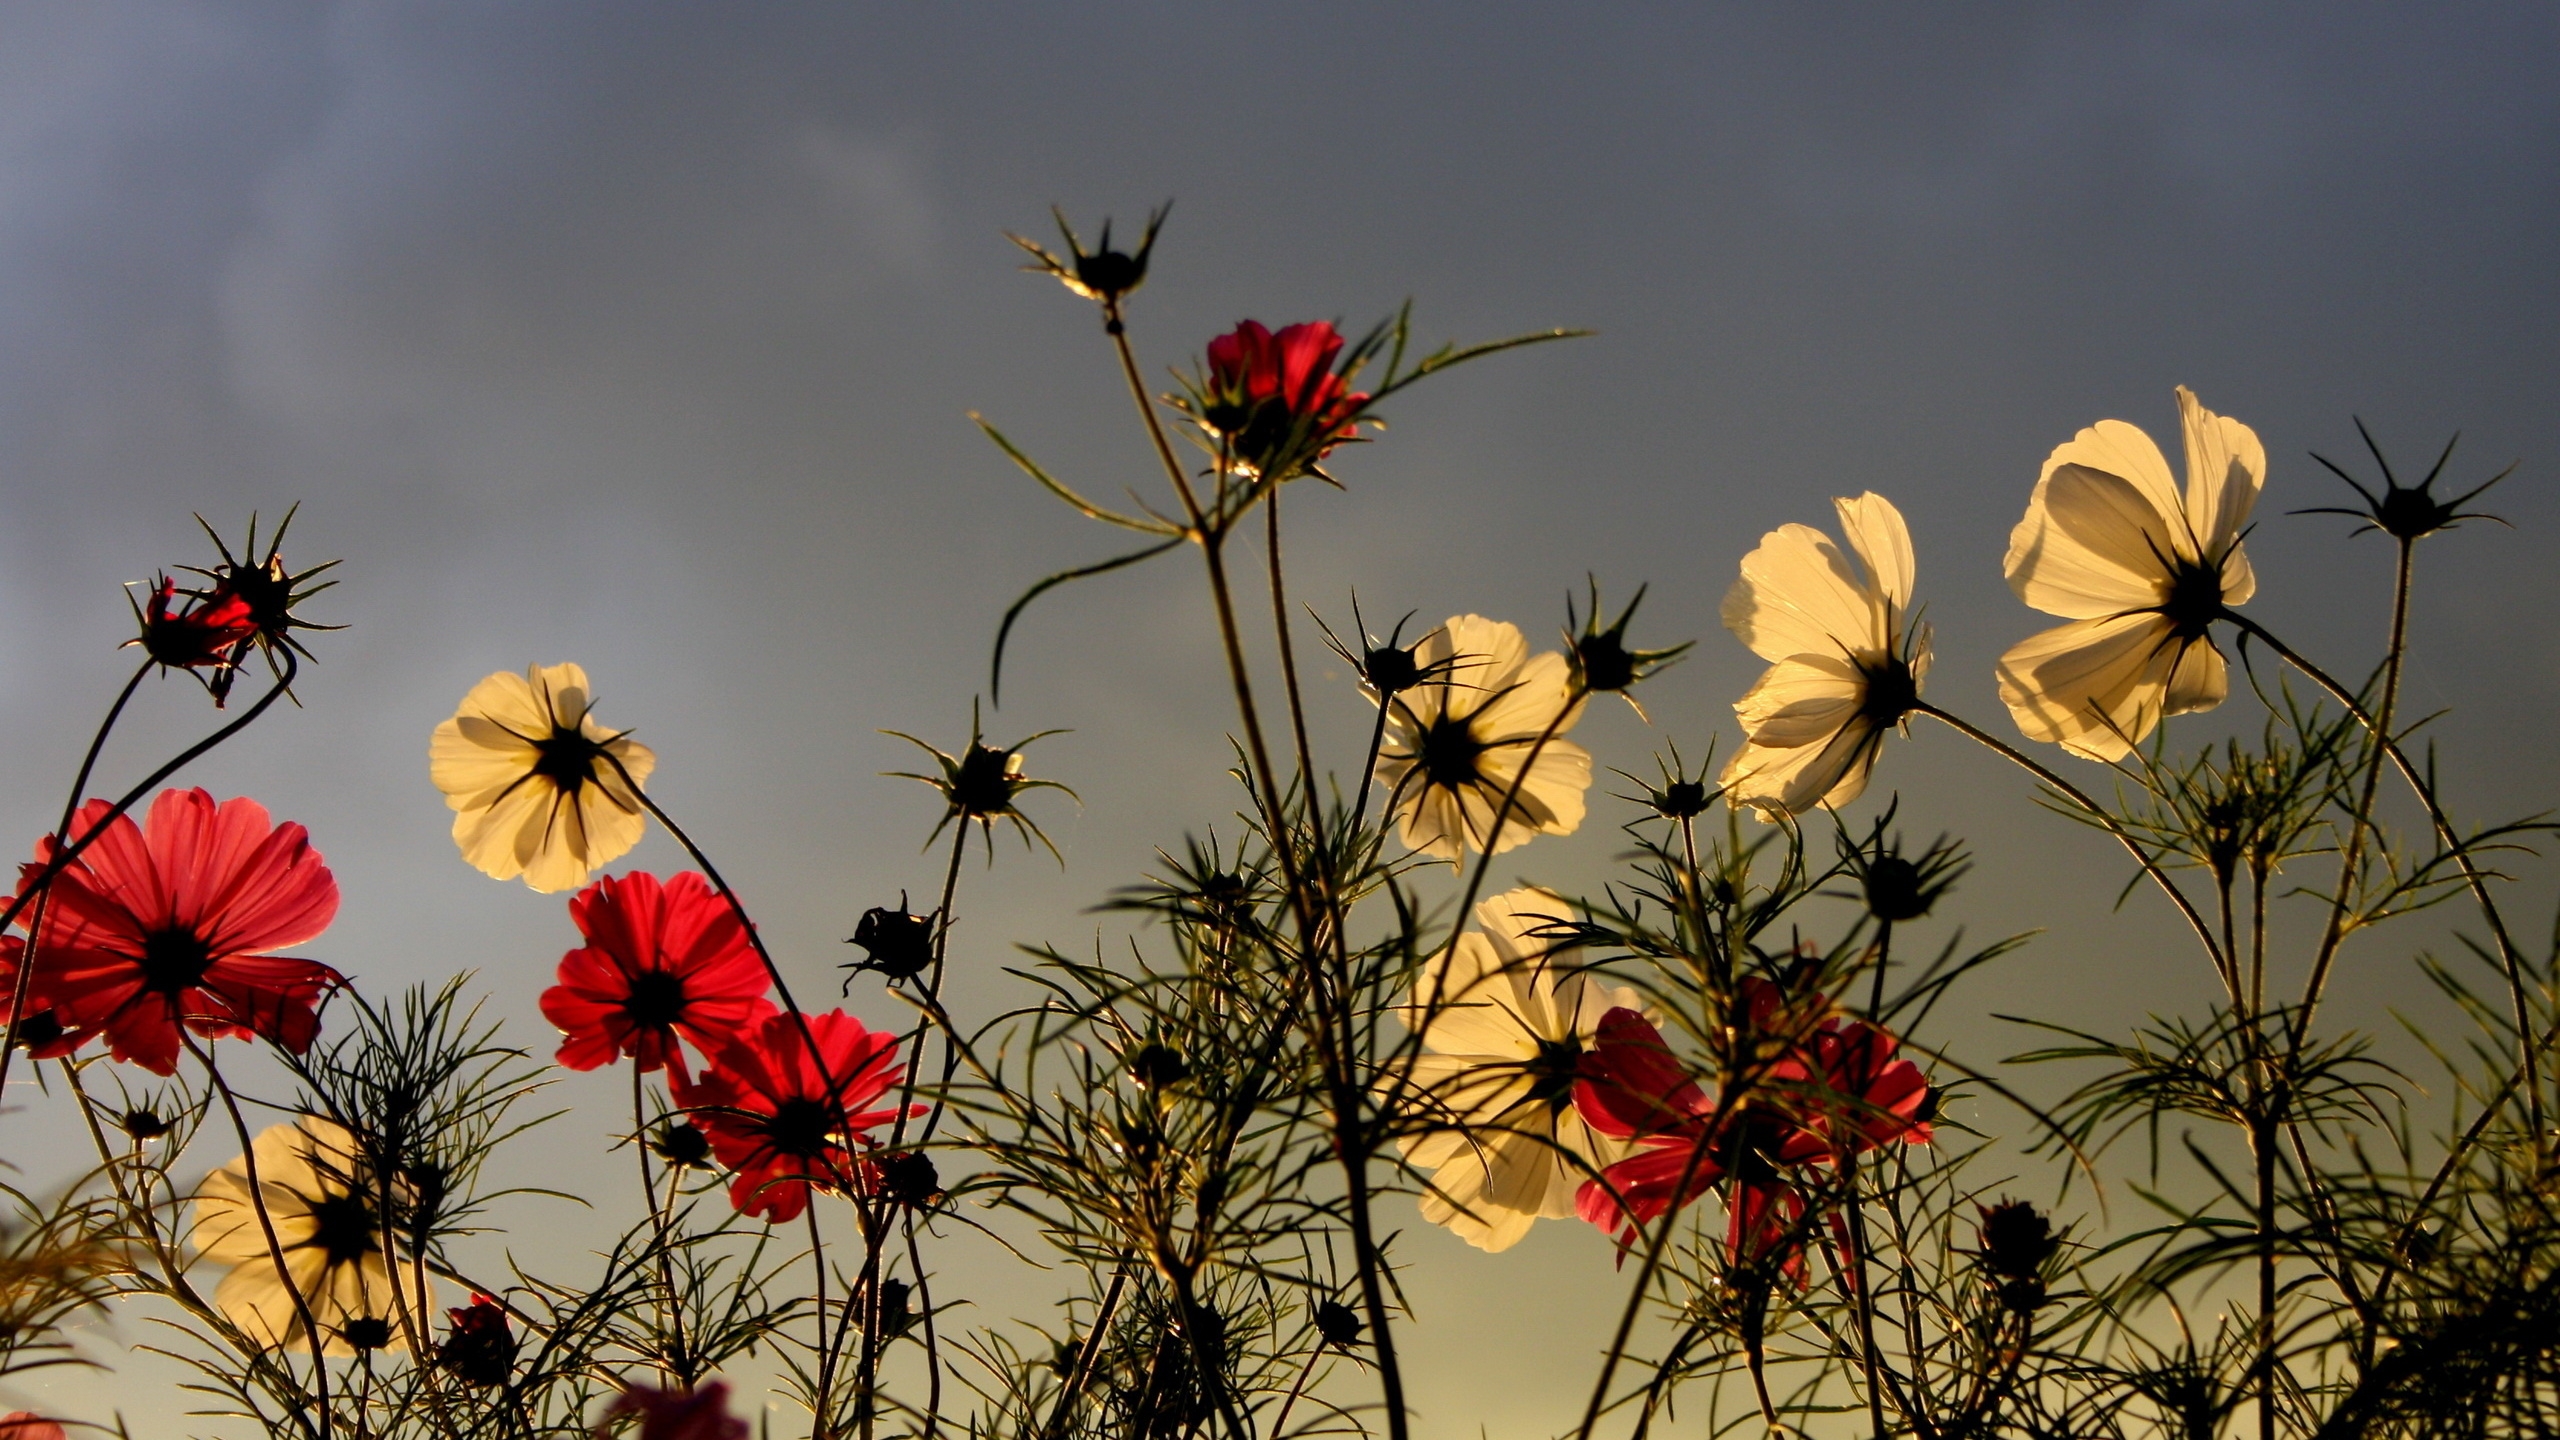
x=1276, y=400
x=675, y=1414
x=28, y=1425
x=778, y=1121
x=660, y=961
x=156, y=927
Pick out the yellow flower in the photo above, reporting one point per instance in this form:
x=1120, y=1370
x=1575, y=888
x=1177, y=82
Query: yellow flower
x=1504, y=1022
x=321, y=1199
x=1457, y=740
x=2140, y=570
x=539, y=789
x=1847, y=664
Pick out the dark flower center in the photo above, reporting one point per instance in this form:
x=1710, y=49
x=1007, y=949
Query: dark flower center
x=984, y=785
x=1109, y=273
x=800, y=1127
x=656, y=1000
x=683, y=1144
x=1552, y=1073
x=1681, y=800
x=1892, y=691
x=567, y=759
x=2195, y=599
x=1449, y=752
x=174, y=959
x=342, y=1228
x=1606, y=663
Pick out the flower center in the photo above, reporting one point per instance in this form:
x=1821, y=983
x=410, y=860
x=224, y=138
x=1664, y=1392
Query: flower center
x=566, y=759
x=174, y=959
x=656, y=1000
x=800, y=1127
x=2195, y=599
x=342, y=1228
x=1892, y=691
x=984, y=785
x=1449, y=753
x=1551, y=1074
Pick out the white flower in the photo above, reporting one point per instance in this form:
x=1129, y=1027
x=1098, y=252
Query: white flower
x=321, y=1199
x=1457, y=741
x=533, y=782
x=2141, y=572
x=1503, y=1031
x=1847, y=664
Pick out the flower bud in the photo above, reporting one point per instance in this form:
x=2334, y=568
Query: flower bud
x=1157, y=1067
x=143, y=1124
x=895, y=943
x=480, y=1348
x=683, y=1145
x=1338, y=1323
x=2016, y=1243
x=910, y=1179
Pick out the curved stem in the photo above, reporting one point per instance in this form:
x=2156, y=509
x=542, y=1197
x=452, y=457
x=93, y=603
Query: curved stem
x=267, y=1225
x=1091, y=1351
x=2360, y=820
x=2224, y=965
x=2509, y=956
x=1660, y=1241
x=683, y=1363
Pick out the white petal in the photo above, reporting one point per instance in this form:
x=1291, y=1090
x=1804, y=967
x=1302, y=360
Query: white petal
x=1798, y=593
x=2092, y=545
x=2198, y=680
x=1801, y=700
x=2093, y=687
x=1875, y=530
x=2225, y=468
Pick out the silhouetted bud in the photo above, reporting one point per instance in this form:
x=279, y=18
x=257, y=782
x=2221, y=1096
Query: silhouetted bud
x=910, y=1179
x=895, y=1318
x=1893, y=890
x=895, y=943
x=683, y=1145
x=1681, y=800
x=1391, y=669
x=1600, y=658
x=1338, y=1323
x=144, y=1125
x=2016, y=1240
x=1157, y=1067
x=366, y=1332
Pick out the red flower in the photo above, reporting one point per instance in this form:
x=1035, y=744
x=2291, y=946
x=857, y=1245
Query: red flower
x=207, y=631
x=480, y=1349
x=676, y=1415
x=1866, y=1097
x=40, y=1030
x=766, y=1107
x=28, y=1425
x=152, y=928
x=660, y=960
x=1276, y=399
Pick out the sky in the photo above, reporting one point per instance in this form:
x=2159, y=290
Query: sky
x=647, y=336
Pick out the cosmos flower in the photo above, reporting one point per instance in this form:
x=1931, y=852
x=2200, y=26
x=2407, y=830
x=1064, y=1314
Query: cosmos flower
x=534, y=780
x=674, y=1414
x=41, y=1031
x=1275, y=401
x=2141, y=572
x=171, y=923
x=661, y=960
x=1457, y=740
x=322, y=1200
x=1505, y=1025
x=28, y=1425
x=205, y=633
x=766, y=1108
x=479, y=1347
x=1846, y=663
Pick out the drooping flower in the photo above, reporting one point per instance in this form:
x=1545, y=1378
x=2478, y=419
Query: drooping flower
x=779, y=1122
x=2140, y=570
x=538, y=787
x=661, y=960
x=171, y=922
x=674, y=1414
x=323, y=1201
x=1846, y=663
x=204, y=633
x=1505, y=1023
x=1457, y=741
x=1275, y=403
x=270, y=594
x=480, y=1347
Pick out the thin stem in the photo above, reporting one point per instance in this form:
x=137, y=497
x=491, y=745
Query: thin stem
x=1280, y=1422
x=2223, y=964
x=2360, y=820
x=683, y=1363
x=824, y=1416
x=932, y=1339
x=1088, y=1353
x=2509, y=956
x=1289, y=671
x=267, y=1225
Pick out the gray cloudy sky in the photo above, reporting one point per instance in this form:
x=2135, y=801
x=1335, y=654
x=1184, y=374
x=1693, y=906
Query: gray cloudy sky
x=644, y=335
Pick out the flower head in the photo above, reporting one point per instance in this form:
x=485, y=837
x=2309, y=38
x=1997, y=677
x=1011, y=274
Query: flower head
x=269, y=593
x=2140, y=570
x=537, y=786
x=479, y=1348
x=895, y=943
x=782, y=1124
x=2406, y=513
x=1846, y=662
x=1505, y=1022
x=28, y=1425
x=1274, y=404
x=981, y=784
x=171, y=923
x=322, y=1200
x=1602, y=663
x=1103, y=274
x=677, y=1414
x=202, y=634
x=661, y=960
x=1488, y=717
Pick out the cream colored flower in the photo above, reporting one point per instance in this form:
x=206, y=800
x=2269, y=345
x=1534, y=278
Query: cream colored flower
x=1846, y=662
x=533, y=781
x=1456, y=742
x=1504, y=1022
x=322, y=1202
x=2140, y=570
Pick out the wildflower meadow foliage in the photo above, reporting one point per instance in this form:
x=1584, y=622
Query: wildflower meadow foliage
x=1198, y=1155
